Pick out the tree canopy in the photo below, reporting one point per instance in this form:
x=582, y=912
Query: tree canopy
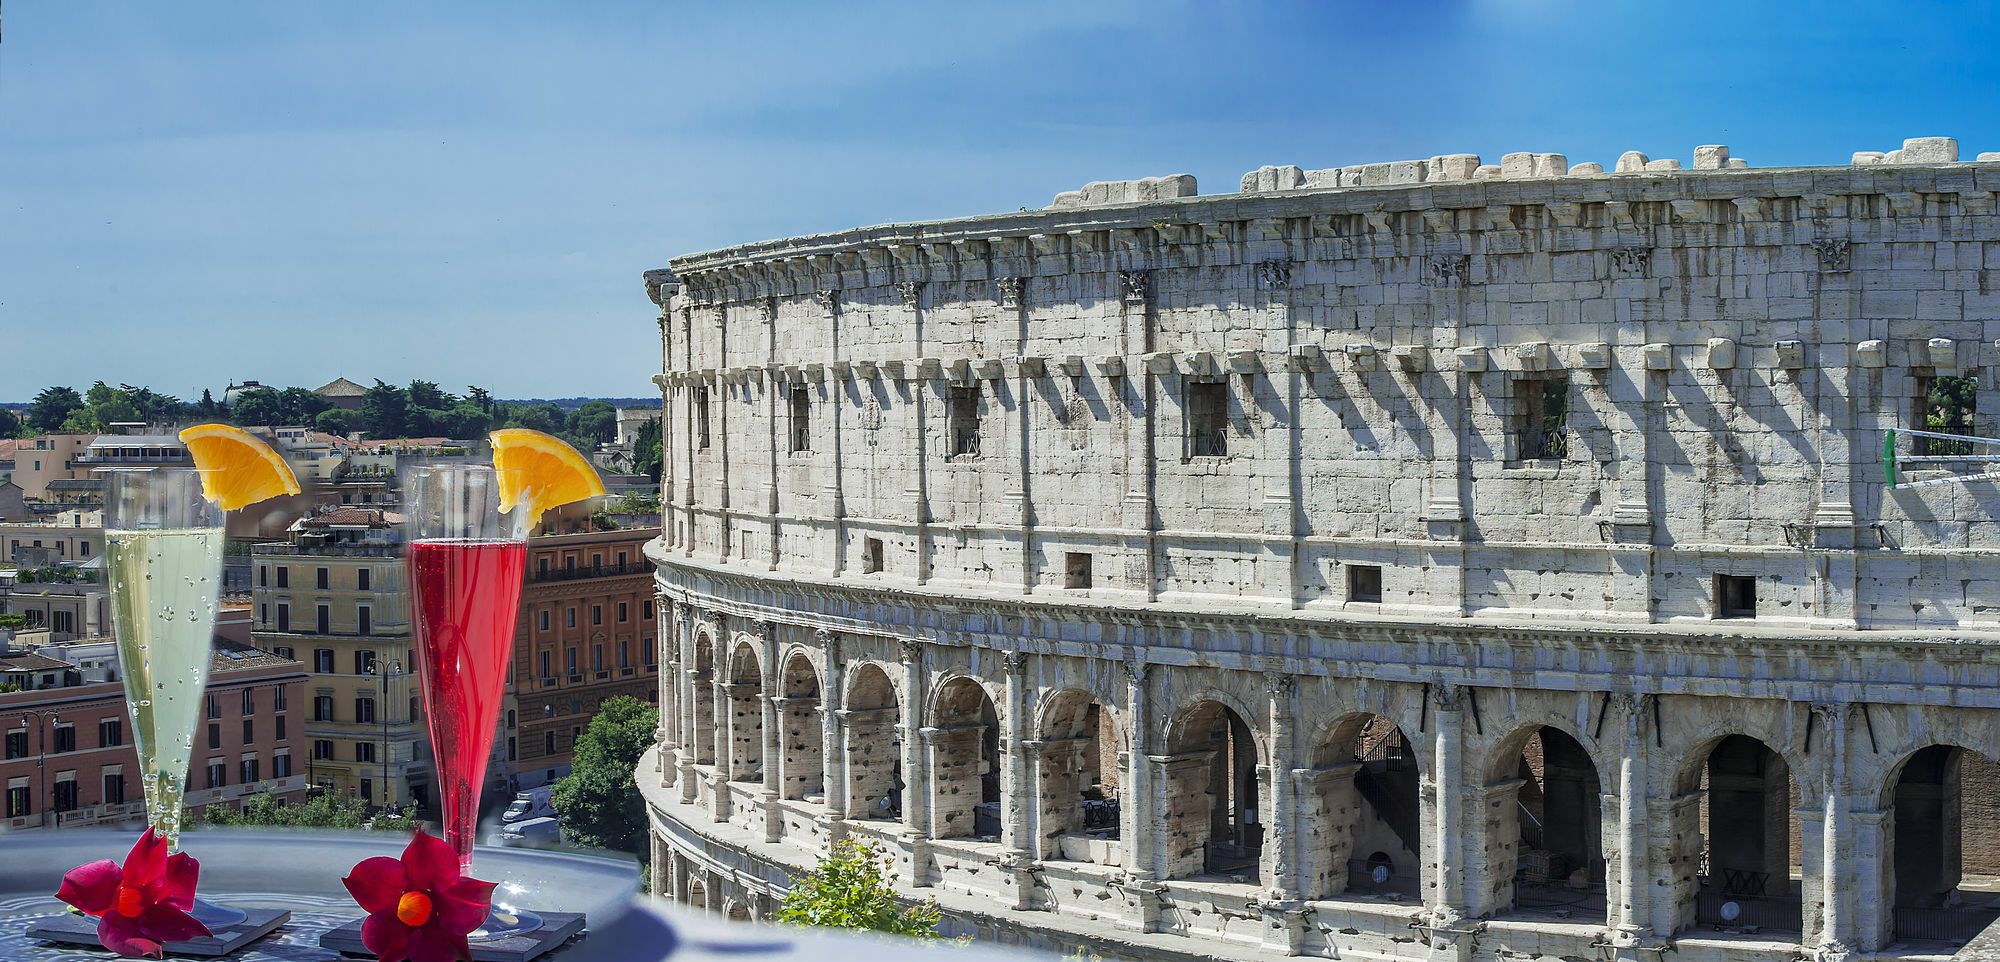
x=850, y=889
x=52, y=408
x=599, y=804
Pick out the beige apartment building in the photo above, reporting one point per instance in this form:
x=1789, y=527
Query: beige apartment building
x=333, y=596
x=73, y=535
x=50, y=457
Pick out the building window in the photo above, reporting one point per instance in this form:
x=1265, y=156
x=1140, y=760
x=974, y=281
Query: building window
x=1076, y=569
x=285, y=652
x=281, y=765
x=701, y=417
x=19, y=802
x=871, y=556
x=364, y=620
x=368, y=790
x=249, y=731
x=545, y=665
x=284, y=615
x=214, y=706
x=323, y=749
x=218, y=775
x=1208, y=420
x=63, y=622
x=596, y=615
x=801, y=419
x=361, y=579
x=569, y=618
x=214, y=736
x=1543, y=418
x=325, y=620
x=17, y=744
x=645, y=612
x=280, y=735
x=510, y=718
x=249, y=701
x=545, y=619
x=364, y=711
x=320, y=579
x=65, y=796
x=84, y=548
x=1735, y=596
x=263, y=614
x=622, y=660
x=263, y=576
x=510, y=748
x=597, y=658
x=323, y=708
x=111, y=733
x=548, y=743
x=278, y=694
x=364, y=752
x=569, y=661
x=284, y=576
x=364, y=661
x=622, y=613
x=65, y=739
x=114, y=788
x=1364, y=582
x=1946, y=406
x=542, y=568
x=249, y=771
x=323, y=660
x=963, y=420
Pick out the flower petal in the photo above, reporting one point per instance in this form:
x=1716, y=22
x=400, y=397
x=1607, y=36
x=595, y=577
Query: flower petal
x=429, y=943
x=169, y=924
x=386, y=936
x=121, y=935
x=376, y=883
x=92, y=887
x=147, y=860
x=463, y=905
x=430, y=862
x=176, y=885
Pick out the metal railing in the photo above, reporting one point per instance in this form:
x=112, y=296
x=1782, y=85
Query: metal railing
x=965, y=441
x=1776, y=913
x=1914, y=924
x=1208, y=443
x=1542, y=444
x=1960, y=447
x=590, y=571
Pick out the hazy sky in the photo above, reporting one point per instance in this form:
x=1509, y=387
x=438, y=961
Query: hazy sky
x=196, y=192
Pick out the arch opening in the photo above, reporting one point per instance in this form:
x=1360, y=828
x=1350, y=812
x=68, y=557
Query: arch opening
x=871, y=743
x=704, y=701
x=746, y=716
x=1549, y=831
x=1212, y=777
x=1077, y=768
x=1734, y=816
x=802, y=758
x=1368, y=811
x=962, y=749
x=1941, y=804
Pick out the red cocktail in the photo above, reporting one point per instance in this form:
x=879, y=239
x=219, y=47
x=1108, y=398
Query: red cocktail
x=464, y=595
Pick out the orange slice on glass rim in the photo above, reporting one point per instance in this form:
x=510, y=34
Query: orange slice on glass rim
x=237, y=468
x=541, y=471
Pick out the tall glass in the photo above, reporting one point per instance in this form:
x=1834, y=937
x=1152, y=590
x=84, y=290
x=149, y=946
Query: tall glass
x=163, y=550
x=465, y=564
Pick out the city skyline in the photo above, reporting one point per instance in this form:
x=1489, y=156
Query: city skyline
x=431, y=193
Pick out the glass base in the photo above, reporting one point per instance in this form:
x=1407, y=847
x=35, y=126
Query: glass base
x=216, y=916
x=504, y=922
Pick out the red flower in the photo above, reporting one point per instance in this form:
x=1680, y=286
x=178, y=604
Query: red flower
x=420, y=908
x=143, y=904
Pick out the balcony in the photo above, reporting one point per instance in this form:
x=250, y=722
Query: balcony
x=329, y=550
x=592, y=571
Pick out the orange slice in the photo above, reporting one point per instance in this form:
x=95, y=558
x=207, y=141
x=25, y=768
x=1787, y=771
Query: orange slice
x=541, y=471
x=237, y=467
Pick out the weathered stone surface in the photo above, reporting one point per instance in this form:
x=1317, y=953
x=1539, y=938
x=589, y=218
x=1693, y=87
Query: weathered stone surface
x=1712, y=157
x=1099, y=193
x=1631, y=162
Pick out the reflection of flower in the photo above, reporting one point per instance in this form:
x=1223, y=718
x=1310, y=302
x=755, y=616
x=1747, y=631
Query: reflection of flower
x=420, y=908
x=141, y=905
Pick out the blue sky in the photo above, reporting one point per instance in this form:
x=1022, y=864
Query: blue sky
x=197, y=192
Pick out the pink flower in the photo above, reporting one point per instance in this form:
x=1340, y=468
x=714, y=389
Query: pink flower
x=141, y=905
x=420, y=907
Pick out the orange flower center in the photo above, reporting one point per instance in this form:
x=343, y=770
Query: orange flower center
x=130, y=902
x=413, y=909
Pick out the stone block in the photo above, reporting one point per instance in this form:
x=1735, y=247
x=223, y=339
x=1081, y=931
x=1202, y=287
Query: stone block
x=1361, y=356
x=1070, y=364
x=1242, y=362
x=1551, y=165
x=1989, y=156
x=1721, y=353
x=1410, y=358
x=1930, y=150
x=1585, y=169
x=1109, y=365
x=1158, y=363
x=1273, y=178
x=1594, y=356
x=1791, y=355
x=1659, y=357
x=1308, y=357
x=989, y=369
x=1943, y=353
x=1200, y=364
x=1452, y=167
x=1871, y=354
x=1144, y=190
x=1329, y=177
x=1659, y=165
x=1470, y=359
x=1486, y=172
x=1517, y=165
x=1867, y=158
x=1736, y=163
x=1631, y=162
x=1533, y=356
x=1710, y=157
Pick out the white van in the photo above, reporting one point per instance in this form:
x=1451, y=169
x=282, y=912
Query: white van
x=533, y=803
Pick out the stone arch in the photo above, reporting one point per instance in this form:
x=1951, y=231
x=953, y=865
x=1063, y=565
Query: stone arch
x=746, y=713
x=703, y=683
x=871, y=744
x=697, y=892
x=962, y=755
x=1365, y=808
x=1926, y=801
x=1732, y=812
x=802, y=756
x=1545, y=845
x=815, y=661
x=1213, y=789
x=735, y=911
x=1076, y=766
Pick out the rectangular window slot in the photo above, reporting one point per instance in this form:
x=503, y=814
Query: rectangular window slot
x=1208, y=420
x=1735, y=596
x=871, y=556
x=1076, y=569
x=1364, y=582
x=1542, y=431
x=701, y=417
x=801, y=420
x=964, y=421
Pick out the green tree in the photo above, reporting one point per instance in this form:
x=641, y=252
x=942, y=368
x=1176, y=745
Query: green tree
x=52, y=408
x=259, y=405
x=320, y=810
x=593, y=424
x=850, y=889
x=537, y=417
x=479, y=397
x=599, y=804
x=383, y=411
x=336, y=421
x=466, y=419
x=108, y=405
x=10, y=426
x=208, y=407
x=646, y=452
x=299, y=406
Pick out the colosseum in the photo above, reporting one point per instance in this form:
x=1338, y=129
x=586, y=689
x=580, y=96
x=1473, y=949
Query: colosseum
x=1422, y=560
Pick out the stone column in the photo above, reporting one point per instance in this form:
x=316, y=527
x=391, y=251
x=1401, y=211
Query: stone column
x=1139, y=399
x=1017, y=786
x=1284, y=915
x=685, y=704
x=1630, y=914
x=774, y=733
x=1278, y=562
x=832, y=490
x=915, y=819
x=833, y=761
x=1138, y=810
x=1835, y=932
x=725, y=764
x=669, y=664
x=1447, y=856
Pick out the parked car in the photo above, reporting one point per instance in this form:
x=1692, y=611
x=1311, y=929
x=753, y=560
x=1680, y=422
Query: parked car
x=531, y=833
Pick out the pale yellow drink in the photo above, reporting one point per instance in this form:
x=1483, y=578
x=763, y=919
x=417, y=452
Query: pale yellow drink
x=164, y=585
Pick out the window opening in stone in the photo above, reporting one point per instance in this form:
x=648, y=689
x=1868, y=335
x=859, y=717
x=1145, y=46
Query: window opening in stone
x=703, y=681
x=1735, y=596
x=1208, y=420
x=1366, y=784
x=1364, y=582
x=1076, y=765
x=1939, y=835
x=1745, y=820
x=871, y=556
x=801, y=420
x=801, y=763
x=746, y=716
x=701, y=417
x=1543, y=426
x=964, y=420
x=871, y=746
x=1946, y=405
x=1546, y=794
x=1213, y=797
x=1076, y=569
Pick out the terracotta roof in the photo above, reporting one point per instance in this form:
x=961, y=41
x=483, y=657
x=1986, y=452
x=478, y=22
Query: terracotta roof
x=340, y=387
x=30, y=661
x=353, y=516
x=7, y=446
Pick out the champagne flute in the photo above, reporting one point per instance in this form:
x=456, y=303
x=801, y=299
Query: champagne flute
x=163, y=550
x=465, y=563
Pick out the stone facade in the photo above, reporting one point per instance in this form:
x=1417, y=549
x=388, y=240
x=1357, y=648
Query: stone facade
x=1478, y=565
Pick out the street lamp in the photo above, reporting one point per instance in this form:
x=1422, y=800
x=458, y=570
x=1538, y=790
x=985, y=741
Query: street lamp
x=41, y=752
x=382, y=715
